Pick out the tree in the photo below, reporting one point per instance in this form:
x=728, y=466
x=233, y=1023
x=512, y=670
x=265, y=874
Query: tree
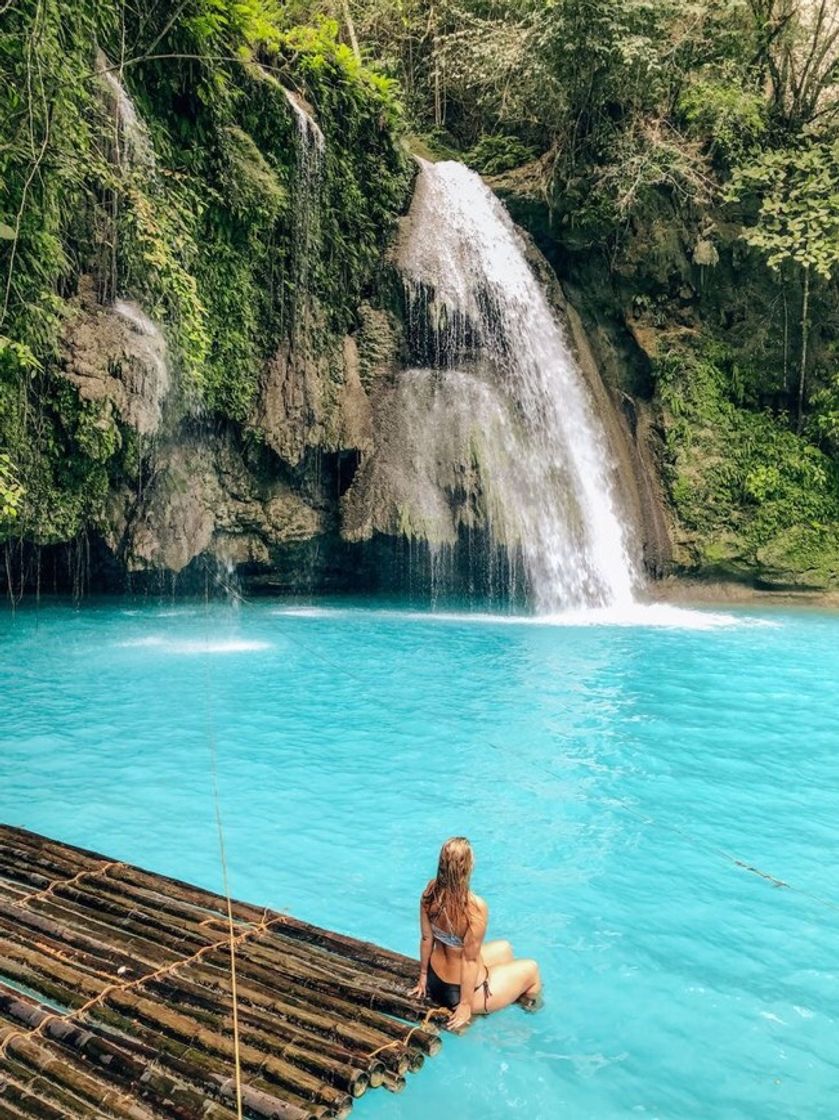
x=798, y=51
x=798, y=220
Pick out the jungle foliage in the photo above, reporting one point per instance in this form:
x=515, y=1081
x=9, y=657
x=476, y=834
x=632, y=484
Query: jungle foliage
x=692, y=147
x=152, y=148
x=684, y=157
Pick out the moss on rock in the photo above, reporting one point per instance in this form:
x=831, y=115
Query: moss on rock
x=175, y=186
x=752, y=499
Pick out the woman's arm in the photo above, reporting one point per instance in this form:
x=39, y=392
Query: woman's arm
x=470, y=963
x=426, y=945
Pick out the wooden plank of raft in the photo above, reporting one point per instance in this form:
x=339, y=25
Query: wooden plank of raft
x=115, y=999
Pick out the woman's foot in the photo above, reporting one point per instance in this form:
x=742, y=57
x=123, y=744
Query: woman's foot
x=531, y=1003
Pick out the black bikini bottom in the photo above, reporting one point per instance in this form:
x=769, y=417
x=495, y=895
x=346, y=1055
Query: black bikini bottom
x=448, y=995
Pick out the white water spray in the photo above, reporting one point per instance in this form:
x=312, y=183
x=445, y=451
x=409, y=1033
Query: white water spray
x=135, y=143
x=310, y=131
x=504, y=396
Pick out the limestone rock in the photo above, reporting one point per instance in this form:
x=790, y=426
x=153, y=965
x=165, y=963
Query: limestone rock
x=206, y=500
x=177, y=518
x=379, y=345
x=288, y=411
x=116, y=353
x=288, y=518
x=356, y=425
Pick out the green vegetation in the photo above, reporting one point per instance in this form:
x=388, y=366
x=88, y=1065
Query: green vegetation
x=677, y=162
x=686, y=179
x=798, y=222
x=182, y=198
x=753, y=497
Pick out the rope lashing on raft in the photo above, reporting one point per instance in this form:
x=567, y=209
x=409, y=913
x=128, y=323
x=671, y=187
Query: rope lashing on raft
x=434, y=1012
x=123, y=986
x=46, y=891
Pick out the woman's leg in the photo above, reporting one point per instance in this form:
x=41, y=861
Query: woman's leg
x=507, y=983
x=496, y=952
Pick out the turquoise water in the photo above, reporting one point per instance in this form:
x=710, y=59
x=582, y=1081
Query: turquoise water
x=607, y=775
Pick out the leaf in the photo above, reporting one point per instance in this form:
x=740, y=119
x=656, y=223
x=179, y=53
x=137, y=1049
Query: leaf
x=6, y=232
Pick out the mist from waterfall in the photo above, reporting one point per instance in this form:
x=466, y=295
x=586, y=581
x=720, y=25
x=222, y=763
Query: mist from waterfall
x=499, y=408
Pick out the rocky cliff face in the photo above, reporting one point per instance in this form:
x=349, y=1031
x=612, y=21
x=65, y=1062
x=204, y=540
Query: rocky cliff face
x=184, y=380
x=306, y=492
x=201, y=340
x=231, y=496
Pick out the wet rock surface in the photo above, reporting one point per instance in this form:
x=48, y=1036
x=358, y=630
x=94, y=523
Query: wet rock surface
x=114, y=353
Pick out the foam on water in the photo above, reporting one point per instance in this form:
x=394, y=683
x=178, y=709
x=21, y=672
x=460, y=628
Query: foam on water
x=657, y=615
x=194, y=646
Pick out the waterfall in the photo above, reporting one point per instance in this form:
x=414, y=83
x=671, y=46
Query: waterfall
x=497, y=427
x=311, y=136
x=311, y=146
x=135, y=143
x=147, y=347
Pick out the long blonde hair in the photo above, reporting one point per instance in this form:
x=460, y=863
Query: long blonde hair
x=447, y=897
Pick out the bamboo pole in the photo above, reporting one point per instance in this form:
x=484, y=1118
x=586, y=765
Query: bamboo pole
x=207, y=900
x=320, y=978
x=130, y=916
x=27, y=1103
x=394, y=1084
x=87, y=924
x=322, y=1016
x=191, y=935
x=77, y=969
x=7, y=1110
x=170, y=1024
x=153, y=902
x=97, y=964
x=58, y=866
x=281, y=982
x=323, y=1019
x=290, y=989
x=59, y=1080
x=338, y=1071
x=35, y=924
x=312, y=1048
x=357, y=950
x=165, y=1031
x=80, y=1044
x=34, y=842
x=55, y=1094
x=10, y=836
x=272, y=944
x=74, y=988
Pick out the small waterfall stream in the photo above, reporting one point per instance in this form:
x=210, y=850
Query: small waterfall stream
x=313, y=141
x=497, y=426
x=311, y=147
x=135, y=146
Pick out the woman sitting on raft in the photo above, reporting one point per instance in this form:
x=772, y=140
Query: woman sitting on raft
x=457, y=970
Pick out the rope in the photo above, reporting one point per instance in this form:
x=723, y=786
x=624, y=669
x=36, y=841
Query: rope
x=68, y=1016
x=398, y=1042
x=24, y=900
x=211, y=739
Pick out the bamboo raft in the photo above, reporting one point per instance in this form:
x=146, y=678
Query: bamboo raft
x=115, y=999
